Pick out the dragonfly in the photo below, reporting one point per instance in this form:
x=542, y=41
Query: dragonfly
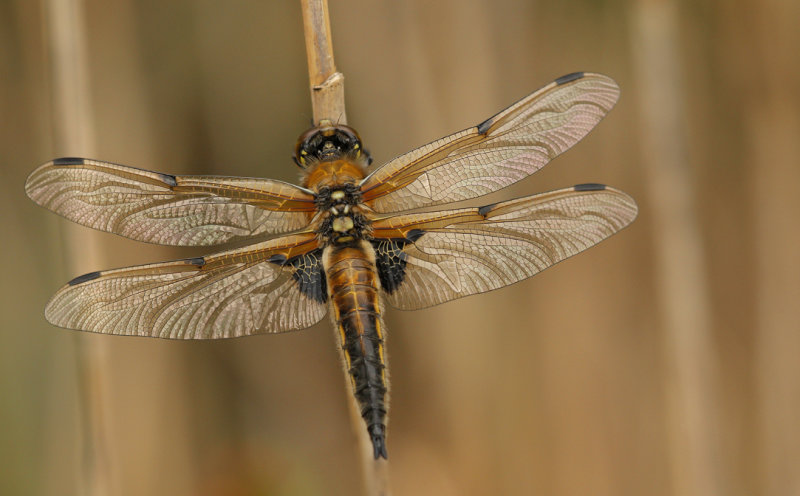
x=346, y=241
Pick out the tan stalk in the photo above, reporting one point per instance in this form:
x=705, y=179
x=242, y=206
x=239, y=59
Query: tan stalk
x=679, y=262
x=327, y=85
x=74, y=133
x=772, y=126
x=327, y=103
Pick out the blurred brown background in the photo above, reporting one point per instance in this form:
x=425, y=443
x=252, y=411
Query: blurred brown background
x=662, y=362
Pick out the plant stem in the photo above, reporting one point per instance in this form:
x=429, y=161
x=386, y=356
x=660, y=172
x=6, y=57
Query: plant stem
x=74, y=133
x=692, y=383
x=327, y=85
x=327, y=102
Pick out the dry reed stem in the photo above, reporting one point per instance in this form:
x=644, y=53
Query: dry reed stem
x=327, y=85
x=74, y=133
x=680, y=265
x=773, y=127
x=327, y=102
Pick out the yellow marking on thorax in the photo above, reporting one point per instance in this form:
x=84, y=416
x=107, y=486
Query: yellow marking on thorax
x=342, y=224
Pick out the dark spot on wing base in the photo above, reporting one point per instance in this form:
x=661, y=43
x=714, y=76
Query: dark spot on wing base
x=86, y=277
x=589, y=187
x=390, y=259
x=68, y=161
x=308, y=273
x=569, y=77
x=484, y=126
x=197, y=261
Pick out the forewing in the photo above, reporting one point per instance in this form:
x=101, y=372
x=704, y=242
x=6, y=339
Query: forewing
x=268, y=287
x=497, y=152
x=165, y=209
x=430, y=258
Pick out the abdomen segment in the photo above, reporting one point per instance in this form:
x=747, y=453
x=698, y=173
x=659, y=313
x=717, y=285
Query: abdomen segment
x=353, y=289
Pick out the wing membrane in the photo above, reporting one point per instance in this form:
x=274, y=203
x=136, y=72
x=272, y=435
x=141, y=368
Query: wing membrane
x=496, y=153
x=452, y=254
x=235, y=293
x=165, y=209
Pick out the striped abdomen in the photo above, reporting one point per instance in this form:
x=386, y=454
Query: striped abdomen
x=353, y=287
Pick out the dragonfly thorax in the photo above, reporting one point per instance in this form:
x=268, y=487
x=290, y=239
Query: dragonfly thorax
x=342, y=215
x=343, y=226
x=338, y=196
x=333, y=175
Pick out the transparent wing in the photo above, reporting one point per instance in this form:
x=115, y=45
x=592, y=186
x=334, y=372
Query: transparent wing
x=252, y=290
x=440, y=256
x=496, y=153
x=165, y=209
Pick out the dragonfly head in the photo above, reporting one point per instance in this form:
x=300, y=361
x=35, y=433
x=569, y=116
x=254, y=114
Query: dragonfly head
x=328, y=142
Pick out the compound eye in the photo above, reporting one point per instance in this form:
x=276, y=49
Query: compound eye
x=301, y=158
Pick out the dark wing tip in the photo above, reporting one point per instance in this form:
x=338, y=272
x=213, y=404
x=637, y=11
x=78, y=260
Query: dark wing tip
x=85, y=277
x=377, y=433
x=68, y=161
x=589, y=187
x=569, y=78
